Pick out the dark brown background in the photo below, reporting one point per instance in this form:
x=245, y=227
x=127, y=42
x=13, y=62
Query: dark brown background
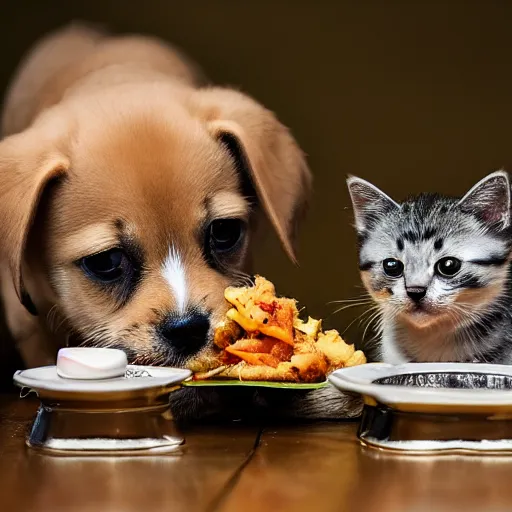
x=412, y=96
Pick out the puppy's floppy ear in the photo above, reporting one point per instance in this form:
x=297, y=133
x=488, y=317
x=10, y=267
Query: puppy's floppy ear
x=27, y=165
x=265, y=150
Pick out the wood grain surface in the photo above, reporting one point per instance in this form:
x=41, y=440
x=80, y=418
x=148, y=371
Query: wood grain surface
x=236, y=467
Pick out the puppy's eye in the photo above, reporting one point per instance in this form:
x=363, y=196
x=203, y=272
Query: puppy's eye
x=448, y=267
x=226, y=234
x=393, y=267
x=106, y=266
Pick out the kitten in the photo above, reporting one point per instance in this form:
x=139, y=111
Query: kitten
x=439, y=270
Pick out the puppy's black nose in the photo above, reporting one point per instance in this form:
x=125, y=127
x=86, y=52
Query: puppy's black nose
x=186, y=334
x=416, y=293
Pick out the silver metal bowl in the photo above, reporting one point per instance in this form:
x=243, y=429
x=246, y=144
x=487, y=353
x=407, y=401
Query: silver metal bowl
x=433, y=407
x=127, y=415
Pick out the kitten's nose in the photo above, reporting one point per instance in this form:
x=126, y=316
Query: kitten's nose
x=186, y=334
x=416, y=293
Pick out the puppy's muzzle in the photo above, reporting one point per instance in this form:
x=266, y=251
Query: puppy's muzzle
x=185, y=334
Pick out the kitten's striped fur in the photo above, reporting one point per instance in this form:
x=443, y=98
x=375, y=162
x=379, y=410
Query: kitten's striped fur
x=428, y=315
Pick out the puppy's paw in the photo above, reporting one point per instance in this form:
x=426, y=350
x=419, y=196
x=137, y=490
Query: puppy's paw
x=192, y=404
x=189, y=404
x=320, y=404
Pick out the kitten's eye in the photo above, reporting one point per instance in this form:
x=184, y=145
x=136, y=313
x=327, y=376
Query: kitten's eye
x=225, y=234
x=392, y=267
x=448, y=267
x=106, y=266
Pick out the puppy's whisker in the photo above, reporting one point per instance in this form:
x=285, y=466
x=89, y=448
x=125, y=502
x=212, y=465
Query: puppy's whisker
x=99, y=337
x=241, y=278
x=50, y=317
x=63, y=328
x=53, y=316
x=61, y=324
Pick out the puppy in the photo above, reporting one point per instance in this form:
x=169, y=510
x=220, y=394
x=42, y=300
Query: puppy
x=129, y=198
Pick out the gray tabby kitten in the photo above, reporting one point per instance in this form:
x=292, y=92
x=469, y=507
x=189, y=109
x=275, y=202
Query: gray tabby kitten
x=439, y=269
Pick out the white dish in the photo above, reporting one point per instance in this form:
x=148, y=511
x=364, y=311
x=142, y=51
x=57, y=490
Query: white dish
x=47, y=381
x=122, y=415
x=361, y=379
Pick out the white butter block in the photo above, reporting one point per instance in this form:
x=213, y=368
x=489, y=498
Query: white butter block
x=87, y=363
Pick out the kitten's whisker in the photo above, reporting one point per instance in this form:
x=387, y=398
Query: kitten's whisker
x=356, y=305
x=360, y=318
x=364, y=301
x=353, y=299
x=375, y=316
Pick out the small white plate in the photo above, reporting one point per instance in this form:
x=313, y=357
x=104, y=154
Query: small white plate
x=46, y=381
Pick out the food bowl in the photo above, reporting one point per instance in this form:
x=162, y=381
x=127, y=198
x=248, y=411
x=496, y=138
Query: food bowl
x=123, y=415
x=433, y=407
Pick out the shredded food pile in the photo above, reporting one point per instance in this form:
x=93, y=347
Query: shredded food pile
x=263, y=339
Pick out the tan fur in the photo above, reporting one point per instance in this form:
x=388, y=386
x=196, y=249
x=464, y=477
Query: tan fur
x=480, y=296
x=378, y=295
x=104, y=129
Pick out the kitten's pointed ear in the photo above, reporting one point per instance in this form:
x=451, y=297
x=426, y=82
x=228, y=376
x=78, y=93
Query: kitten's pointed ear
x=368, y=202
x=489, y=200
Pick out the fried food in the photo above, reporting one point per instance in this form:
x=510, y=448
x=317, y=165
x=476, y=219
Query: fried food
x=263, y=338
x=258, y=309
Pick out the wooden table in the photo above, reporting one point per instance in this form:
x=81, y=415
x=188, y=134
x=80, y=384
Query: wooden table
x=235, y=467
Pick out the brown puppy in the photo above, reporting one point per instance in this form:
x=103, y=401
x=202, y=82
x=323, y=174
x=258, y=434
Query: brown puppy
x=128, y=197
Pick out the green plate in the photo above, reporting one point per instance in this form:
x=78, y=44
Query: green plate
x=254, y=384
